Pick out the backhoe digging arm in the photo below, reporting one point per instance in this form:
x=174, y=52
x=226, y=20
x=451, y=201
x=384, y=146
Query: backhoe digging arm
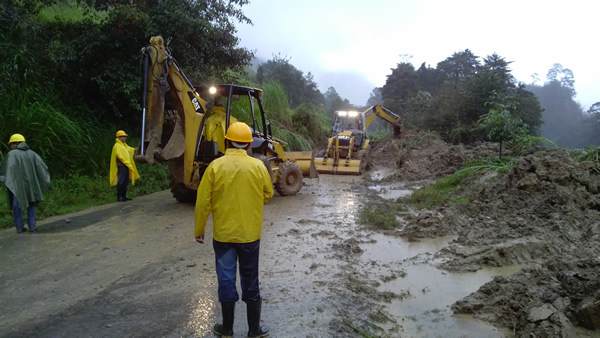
x=164, y=134
x=387, y=115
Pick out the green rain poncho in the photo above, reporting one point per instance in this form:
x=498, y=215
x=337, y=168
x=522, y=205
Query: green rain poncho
x=25, y=175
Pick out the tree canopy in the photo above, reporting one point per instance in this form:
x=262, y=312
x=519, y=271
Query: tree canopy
x=300, y=88
x=452, y=97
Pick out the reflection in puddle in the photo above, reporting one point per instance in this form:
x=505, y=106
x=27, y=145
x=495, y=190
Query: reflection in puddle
x=380, y=174
x=432, y=291
x=389, y=192
x=203, y=312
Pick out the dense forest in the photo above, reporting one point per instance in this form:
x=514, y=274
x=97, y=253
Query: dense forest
x=70, y=76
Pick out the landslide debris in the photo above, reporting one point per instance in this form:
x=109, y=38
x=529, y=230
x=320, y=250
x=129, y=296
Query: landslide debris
x=543, y=214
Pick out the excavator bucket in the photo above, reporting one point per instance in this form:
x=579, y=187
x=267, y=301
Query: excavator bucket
x=304, y=160
x=343, y=167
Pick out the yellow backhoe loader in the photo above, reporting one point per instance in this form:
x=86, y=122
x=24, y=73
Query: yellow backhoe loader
x=348, y=151
x=179, y=135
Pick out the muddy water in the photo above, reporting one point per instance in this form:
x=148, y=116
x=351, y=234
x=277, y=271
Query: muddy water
x=429, y=291
x=133, y=269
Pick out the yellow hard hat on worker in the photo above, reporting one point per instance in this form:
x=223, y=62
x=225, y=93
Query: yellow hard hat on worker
x=121, y=133
x=16, y=138
x=239, y=132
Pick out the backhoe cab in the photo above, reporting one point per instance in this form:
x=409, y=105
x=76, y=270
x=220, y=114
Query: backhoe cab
x=348, y=151
x=189, y=135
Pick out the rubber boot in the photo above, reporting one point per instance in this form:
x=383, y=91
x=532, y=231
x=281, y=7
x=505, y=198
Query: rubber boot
x=226, y=329
x=254, y=329
x=119, y=193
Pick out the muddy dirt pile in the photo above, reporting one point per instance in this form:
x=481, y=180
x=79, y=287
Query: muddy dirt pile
x=544, y=215
x=419, y=156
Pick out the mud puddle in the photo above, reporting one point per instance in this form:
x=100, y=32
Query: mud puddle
x=391, y=191
x=426, y=293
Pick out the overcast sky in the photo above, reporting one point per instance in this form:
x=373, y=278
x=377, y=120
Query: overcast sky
x=353, y=45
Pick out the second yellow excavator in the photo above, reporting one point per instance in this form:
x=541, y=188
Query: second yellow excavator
x=348, y=151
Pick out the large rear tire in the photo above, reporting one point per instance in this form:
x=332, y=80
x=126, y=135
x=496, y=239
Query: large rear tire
x=365, y=159
x=180, y=191
x=289, y=180
x=362, y=157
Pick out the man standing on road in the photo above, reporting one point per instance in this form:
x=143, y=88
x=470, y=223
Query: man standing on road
x=235, y=188
x=122, y=166
x=26, y=178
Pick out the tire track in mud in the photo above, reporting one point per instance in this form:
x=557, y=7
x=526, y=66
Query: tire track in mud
x=310, y=270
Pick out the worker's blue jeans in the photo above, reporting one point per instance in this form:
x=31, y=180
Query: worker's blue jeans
x=18, y=215
x=227, y=256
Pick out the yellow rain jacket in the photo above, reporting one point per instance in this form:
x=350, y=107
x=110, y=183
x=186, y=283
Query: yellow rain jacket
x=124, y=153
x=215, y=126
x=234, y=188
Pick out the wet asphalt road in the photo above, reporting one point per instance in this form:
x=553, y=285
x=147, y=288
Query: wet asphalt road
x=124, y=269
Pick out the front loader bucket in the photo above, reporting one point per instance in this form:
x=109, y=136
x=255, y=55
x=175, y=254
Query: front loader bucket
x=304, y=160
x=343, y=167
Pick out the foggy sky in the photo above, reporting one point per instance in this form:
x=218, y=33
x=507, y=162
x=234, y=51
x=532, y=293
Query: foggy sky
x=354, y=45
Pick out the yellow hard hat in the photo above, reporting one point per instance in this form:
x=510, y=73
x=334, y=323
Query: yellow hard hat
x=239, y=132
x=16, y=138
x=121, y=133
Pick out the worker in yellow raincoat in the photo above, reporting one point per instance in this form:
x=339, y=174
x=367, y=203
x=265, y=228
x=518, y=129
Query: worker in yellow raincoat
x=122, y=166
x=215, y=125
x=234, y=188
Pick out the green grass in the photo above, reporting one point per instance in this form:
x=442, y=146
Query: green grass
x=78, y=192
x=450, y=188
x=66, y=143
x=380, y=215
x=592, y=154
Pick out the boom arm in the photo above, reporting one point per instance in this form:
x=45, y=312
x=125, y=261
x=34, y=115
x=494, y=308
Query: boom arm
x=162, y=76
x=386, y=114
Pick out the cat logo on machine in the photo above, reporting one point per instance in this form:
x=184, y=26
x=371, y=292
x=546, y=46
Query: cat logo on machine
x=196, y=104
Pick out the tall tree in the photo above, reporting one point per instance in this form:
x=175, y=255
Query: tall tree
x=299, y=88
x=562, y=116
x=562, y=75
x=399, y=86
x=430, y=79
x=333, y=102
x=375, y=97
x=460, y=65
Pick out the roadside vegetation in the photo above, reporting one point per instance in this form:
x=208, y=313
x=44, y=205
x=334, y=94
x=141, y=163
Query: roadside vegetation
x=451, y=188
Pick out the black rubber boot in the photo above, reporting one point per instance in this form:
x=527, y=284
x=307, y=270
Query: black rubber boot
x=226, y=329
x=120, y=194
x=254, y=329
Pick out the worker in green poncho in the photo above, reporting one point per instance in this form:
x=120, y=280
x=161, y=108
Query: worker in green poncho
x=26, y=178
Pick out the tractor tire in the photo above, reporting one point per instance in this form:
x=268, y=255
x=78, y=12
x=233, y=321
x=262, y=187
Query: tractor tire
x=365, y=159
x=290, y=179
x=369, y=163
x=180, y=191
x=362, y=157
